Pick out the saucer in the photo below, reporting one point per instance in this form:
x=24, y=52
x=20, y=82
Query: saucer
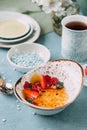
x=4, y=15
x=13, y=28
x=17, y=39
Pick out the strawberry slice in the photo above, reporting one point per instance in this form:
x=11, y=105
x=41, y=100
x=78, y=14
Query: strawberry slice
x=30, y=93
x=54, y=81
x=36, y=86
x=43, y=82
x=48, y=80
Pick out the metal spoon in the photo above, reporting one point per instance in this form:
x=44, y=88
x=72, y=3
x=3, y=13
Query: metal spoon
x=5, y=88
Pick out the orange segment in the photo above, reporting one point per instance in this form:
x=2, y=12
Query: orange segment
x=26, y=93
x=35, y=78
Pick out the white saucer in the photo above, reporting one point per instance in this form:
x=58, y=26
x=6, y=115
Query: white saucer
x=13, y=28
x=4, y=15
x=14, y=41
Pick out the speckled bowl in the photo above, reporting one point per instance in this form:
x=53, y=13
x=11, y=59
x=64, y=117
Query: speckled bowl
x=39, y=49
x=70, y=72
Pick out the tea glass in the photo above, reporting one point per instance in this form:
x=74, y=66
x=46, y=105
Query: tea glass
x=74, y=42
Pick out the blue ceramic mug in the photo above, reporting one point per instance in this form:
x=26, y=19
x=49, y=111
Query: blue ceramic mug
x=74, y=37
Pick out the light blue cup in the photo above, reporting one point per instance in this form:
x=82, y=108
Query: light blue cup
x=74, y=42
x=83, y=6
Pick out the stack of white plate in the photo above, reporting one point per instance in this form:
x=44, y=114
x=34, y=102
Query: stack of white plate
x=17, y=28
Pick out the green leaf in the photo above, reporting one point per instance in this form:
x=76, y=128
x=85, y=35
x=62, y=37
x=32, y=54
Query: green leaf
x=29, y=12
x=30, y=100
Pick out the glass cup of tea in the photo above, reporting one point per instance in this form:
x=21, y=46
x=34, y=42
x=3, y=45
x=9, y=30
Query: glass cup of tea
x=74, y=37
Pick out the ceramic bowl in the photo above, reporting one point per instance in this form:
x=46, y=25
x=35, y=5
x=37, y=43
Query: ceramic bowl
x=39, y=49
x=67, y=71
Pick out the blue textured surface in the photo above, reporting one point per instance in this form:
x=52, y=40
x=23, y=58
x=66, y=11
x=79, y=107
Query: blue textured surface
x=73, y=117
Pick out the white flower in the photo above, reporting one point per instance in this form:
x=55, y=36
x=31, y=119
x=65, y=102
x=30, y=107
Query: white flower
x=60, y=7
x=70, y=10
x=60, y=12
x=43, y=2
x=66, y=2
x=35, y=1
x=53, y=6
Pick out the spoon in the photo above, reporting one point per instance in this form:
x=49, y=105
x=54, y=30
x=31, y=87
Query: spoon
x=5, y=88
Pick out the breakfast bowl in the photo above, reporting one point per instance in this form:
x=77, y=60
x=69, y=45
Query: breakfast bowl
x=25, y=57
x=51, y=87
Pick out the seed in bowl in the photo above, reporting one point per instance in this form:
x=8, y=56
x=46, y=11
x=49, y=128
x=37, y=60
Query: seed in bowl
x=27, y=59
x=45, y=91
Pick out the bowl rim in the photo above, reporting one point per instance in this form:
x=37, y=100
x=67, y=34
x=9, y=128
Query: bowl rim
x=27, y=44
x=56, y=108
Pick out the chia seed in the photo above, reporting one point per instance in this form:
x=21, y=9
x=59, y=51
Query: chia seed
x=27, y=59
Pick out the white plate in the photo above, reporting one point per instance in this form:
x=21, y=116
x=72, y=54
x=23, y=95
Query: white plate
x=13, y=28
x=10, y=15
x=15, y=41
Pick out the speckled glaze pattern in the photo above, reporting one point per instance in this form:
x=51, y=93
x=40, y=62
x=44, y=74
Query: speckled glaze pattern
x=66, y=71
x=74, y=42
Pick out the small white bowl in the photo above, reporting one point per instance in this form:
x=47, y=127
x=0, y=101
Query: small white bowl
x=69, y=72
x=41, y=50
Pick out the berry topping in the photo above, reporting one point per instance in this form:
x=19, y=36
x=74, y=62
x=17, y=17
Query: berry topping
x=27, y=85
x=36, y=86
x=54, y=81
x=43, y=82
x=48, y=80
